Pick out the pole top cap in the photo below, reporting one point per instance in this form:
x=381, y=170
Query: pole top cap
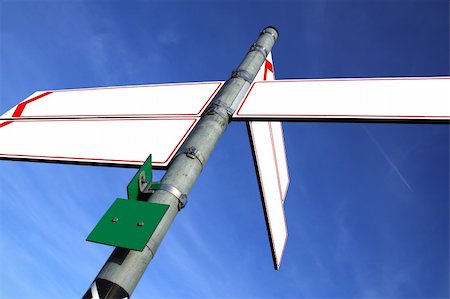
x=272, y=31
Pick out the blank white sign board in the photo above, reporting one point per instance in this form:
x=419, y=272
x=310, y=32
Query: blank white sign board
x=381, y=98
x=118, y=142
x=117, y=126
x=273, y=180
x=182, y=99
x=267, y=144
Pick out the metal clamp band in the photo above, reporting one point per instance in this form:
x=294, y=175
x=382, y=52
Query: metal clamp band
x=215, y=109
x=260, y=49
x=154, y=186
x=193, y=153
x=242, y=74
x=230, y=111
x=182, y=198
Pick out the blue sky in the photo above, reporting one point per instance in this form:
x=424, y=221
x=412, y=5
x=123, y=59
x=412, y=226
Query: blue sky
x=368, y=205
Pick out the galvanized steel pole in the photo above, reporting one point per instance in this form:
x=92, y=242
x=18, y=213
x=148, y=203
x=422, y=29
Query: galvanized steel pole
x=122, y=271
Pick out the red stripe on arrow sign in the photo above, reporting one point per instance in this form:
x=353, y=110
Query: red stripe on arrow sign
x=267, y=66
x=21, y=106
x=5, y=123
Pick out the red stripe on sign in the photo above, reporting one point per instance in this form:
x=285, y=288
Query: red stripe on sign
x=209, y=100
x=181, y=141
x=5, y=123
x=21, y=106
x=268, y=66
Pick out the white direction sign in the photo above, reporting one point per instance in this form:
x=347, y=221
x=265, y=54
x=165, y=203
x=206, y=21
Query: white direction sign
x=118, y=142
x=161, y=100
x=267, y=144
x=418, y=99
x=103, y=125
x=273, y=179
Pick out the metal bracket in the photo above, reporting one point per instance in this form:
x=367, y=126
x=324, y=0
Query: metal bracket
x=182, y=198
x=215, y=109
x=193, y=153
x=145, y=185
x=230, y=111
x=142, y=182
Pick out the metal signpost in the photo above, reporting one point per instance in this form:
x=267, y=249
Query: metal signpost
x=187, y=120
x=121, y=273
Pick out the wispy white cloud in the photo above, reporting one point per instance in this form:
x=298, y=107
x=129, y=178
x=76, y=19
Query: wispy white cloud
x=44, y=228
x=183, y=256
x=169, y=37
x=387, y=158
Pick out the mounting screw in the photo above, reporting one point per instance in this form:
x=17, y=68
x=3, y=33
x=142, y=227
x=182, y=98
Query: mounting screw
x=140, y=223
x=115, y=219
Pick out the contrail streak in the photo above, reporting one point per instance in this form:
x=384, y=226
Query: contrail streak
x=387, y=158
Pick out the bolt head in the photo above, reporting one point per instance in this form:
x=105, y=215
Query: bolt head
x=140, y=223
x=115, y=219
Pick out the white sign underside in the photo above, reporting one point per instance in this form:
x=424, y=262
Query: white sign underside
x=267, y=145
x=273, y=180
x=117, y=126
x=182, y=99
x=382, y=99
x=117, y=142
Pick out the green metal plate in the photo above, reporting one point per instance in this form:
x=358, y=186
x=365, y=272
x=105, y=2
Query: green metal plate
x=128, y=224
